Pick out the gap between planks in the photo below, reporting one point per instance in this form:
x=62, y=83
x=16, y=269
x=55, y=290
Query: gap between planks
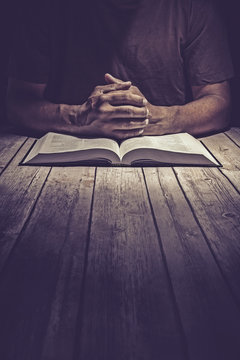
x=47, y=264
x=234, y=135
x=10, y=145
x=19, y=189
x=197, y=281
x=228, y=154
x=128, y=306
x=216, y=206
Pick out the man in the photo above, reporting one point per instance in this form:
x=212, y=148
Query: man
x=121, y=68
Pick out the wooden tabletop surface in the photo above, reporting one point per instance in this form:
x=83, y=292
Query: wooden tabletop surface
x=120, y=263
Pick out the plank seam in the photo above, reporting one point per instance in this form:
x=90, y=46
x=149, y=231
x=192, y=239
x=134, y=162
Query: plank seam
x=235, y=298
x=229, y=137
x=42, y=354
x=220, y=169
x=171, y=288
x=25, y=224
x=11, y=159
x=78, y=331
x=235, y=188
x=210, y=152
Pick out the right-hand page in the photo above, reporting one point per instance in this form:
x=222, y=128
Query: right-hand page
x=174, y=143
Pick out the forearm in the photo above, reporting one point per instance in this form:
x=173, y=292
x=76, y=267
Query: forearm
x=209, y=113
x=41, y=116
x=101, y=115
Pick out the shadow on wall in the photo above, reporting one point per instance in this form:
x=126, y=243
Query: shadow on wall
x=8, y=14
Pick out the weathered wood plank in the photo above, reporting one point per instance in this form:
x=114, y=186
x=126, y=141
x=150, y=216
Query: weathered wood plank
x=41, y=284
x=228, y=154
x=234, y=134
x=9, y=145
x=19, y=190
x=210, y=317
x=128, y=306
x=217, y=207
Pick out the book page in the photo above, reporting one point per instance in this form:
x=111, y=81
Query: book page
x=182, y=142
x=60, y=143
x=36, y=148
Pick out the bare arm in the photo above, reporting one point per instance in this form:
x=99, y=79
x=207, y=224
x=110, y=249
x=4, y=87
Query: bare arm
x=208, y=112
x=103, y=114
x=27, y=108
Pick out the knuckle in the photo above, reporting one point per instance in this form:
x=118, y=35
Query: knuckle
x=126, y=125
x=122, y=85
x=128, y=96
x=112, y=86
x=124, y=135
x=117, y=112
x=101, y=98
x=92, y=102
x=101, y=110
x=135, y=125
x=143, y=112
x=128, y=111
x=136, y=133
x=115, y=97
x=118, y=134
x=105, y=108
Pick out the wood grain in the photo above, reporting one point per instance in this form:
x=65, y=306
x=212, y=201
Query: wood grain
x=110, y=269
x=216, y=205
x=9, y=145
x=20, y=187
x=209, y=315
x=41, y=284
x=128, y=306
x=228, y=153
x=234, y=134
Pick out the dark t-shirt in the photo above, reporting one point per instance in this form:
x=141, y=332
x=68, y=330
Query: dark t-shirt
x=162, y=46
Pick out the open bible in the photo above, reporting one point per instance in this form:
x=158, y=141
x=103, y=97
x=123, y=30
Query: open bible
x=179, y=148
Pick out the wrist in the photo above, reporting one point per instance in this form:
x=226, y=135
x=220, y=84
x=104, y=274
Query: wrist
x=73, y=114
x=163, y=120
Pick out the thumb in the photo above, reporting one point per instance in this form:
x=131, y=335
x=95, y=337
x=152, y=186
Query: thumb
x=112, y=80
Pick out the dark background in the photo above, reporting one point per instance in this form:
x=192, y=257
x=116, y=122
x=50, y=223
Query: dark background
x=229, y=8
x=230, y=11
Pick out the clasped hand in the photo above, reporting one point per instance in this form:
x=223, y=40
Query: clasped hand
x=116, y=110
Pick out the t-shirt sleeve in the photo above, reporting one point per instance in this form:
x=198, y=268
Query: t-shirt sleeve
x=30, y=55
x=206, y=51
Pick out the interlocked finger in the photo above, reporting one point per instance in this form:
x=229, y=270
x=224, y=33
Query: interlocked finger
x=123, y=124
x=127, y=134
x=130, y=112
x=103, y=89
x=123, y=98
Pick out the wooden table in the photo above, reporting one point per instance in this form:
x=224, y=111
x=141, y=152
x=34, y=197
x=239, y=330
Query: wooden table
x=120, y=263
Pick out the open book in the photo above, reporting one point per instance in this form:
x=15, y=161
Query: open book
x=146, y=150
